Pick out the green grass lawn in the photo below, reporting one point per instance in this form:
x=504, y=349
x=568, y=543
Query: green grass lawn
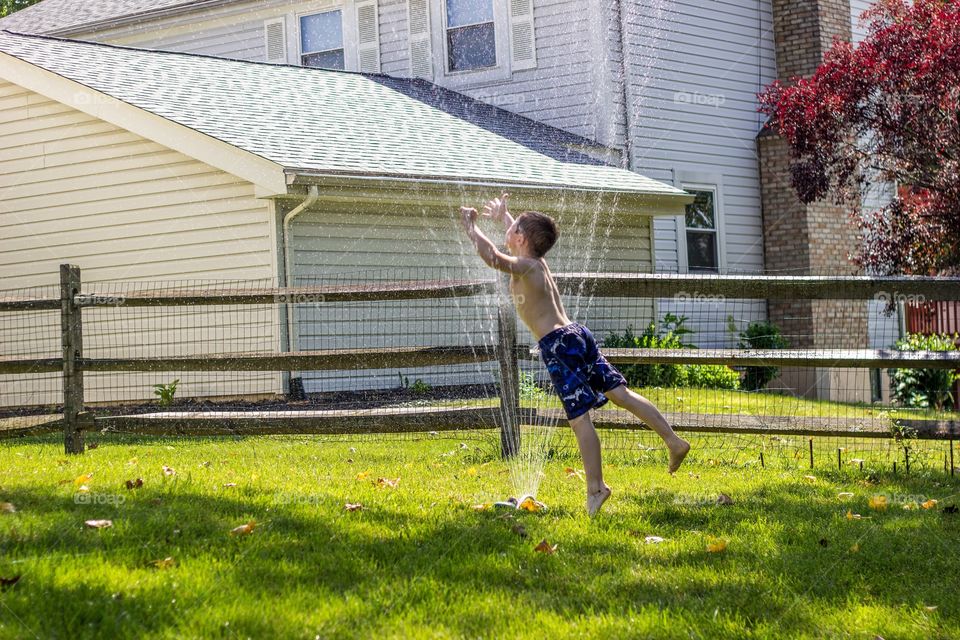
x=418, y=561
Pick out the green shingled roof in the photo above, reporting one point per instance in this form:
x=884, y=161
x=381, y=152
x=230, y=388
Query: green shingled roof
x=318, y=121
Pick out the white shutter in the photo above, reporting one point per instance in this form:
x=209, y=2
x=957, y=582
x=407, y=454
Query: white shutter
x=275, y=40
x=523, y=45
x=368, y=37
x=421, y=64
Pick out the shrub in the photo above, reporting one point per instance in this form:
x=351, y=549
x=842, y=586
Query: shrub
x=669, y=375
x=761, y=335
x=712, y=376
x=925, y=388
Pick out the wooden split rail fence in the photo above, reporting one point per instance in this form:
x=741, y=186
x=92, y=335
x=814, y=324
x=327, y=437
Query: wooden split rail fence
x=508, y=415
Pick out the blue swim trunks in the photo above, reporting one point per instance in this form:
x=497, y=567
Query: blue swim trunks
x=579, y=372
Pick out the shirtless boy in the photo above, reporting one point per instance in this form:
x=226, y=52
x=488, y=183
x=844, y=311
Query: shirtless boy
x=581, y=376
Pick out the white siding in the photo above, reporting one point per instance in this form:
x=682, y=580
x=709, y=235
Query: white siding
x=340, y=246
x=126, y=210
x=857, y=7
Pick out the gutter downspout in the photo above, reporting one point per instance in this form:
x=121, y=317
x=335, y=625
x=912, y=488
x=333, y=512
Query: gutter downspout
x=627, y=162
x=295, y=388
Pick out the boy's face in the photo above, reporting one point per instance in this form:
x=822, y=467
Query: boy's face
x=514, y=237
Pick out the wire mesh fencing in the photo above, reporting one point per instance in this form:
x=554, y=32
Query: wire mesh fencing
x=753, y=369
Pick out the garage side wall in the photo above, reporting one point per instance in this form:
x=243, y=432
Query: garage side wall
x=132, y=214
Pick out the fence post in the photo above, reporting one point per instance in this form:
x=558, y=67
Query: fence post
x=509, y=374
x=71, y=338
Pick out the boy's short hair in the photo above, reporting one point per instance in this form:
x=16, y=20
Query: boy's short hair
x=540, y=231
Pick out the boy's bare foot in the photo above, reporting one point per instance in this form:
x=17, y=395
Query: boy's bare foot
x=678, y=452
x=595, y=500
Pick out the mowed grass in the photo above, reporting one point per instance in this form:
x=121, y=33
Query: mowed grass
x=418, y=561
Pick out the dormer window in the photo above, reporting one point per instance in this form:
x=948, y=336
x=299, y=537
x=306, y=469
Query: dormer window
x=321, y=40
x=470, y=35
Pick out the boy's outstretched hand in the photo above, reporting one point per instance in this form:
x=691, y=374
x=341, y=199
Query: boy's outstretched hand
x=496, y=208
x=468, y=216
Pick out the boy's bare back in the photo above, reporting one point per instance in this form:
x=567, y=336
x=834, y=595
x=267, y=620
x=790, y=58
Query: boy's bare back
x=537, y=298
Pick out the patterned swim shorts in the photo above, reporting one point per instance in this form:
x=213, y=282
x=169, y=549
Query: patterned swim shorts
x=579, y=372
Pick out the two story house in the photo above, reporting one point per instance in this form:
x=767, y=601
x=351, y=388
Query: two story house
x=664, y=90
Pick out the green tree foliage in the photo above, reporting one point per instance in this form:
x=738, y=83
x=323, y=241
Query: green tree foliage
x=11, y=6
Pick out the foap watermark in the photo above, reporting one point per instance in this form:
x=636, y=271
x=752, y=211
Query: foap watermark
x=299, y=298
x=100, y=300
x=715, y=100
x=894, y=297
x=81, y=98
x=285, y=499
x=702, y=298
x=506, y=100
x=99, y=499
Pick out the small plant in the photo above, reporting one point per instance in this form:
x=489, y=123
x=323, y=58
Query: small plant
x=925, y=388
x=761, y=335
x=165, y=392
x=419, y=386
x=529, y=389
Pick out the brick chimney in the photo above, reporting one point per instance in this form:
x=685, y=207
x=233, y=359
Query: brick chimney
x=811, y=239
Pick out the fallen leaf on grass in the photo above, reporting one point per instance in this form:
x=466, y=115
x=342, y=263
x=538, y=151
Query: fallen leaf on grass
x=545, y=547
x=363, y=475
x=653, y=539
x=353, y=507
x=168, y=471
x=573, y=473
x=855, y=548
x=716, y=545
x=387, y=482
x=482, y=507
x=92, y=446
x=164, y=563
x=244, y=529
x=724, y=499
x=931, y=607
x=909, y=506
x=844, y=495
x=83, y=489
x=230, y=484
x=929, y=504
x=206, y=464
x=472, y=471
x=853, y=516
x=7, y=507
x=810, y=478
x=878, y=503
x=134, y=484
x=99, y=524
x=6, y=583
x=84, y=479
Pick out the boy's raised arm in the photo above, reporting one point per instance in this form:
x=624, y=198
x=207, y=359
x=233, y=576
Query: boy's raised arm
x=486, y=249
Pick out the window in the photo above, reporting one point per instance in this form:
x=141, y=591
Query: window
x=470, y=38
x=321, y=40
x=700, y=222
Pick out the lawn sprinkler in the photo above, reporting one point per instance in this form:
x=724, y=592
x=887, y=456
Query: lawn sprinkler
x=525, y=503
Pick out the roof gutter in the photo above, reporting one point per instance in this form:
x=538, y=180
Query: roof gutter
x=186, y=7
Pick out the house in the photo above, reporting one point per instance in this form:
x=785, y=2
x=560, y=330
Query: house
x=146, y=166
x=668, y=88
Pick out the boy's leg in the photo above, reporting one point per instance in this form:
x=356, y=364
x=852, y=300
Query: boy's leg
x=589, y=443
x=646, y=411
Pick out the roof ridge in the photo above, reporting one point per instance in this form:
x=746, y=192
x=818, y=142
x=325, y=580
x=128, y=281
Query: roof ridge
x=413, y=80
x=188, y=54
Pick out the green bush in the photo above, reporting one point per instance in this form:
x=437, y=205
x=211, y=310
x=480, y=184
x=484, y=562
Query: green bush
x=761, y=335
x=712, y=376
x=925, y=388
x=671, y=336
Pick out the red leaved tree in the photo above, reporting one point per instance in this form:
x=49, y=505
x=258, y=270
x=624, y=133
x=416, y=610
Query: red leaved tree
x=886, y=109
